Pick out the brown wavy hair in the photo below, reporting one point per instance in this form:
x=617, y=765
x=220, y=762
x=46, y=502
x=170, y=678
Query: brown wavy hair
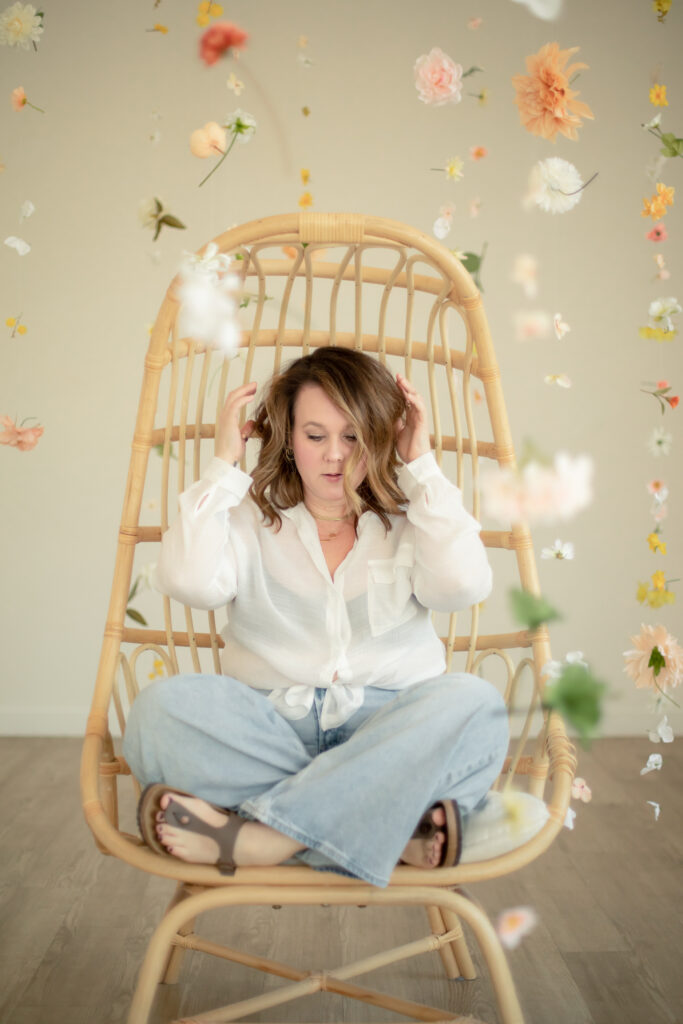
x=368, y=395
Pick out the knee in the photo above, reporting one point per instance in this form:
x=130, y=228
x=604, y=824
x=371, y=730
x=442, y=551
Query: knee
x=463, y=695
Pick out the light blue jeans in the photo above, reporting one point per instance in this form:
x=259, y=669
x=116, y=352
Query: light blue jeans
x=353, y=794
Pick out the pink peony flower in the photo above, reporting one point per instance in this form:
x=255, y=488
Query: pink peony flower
x=658, y=233
x=23, y=438
x=208, y=141
x=219, y=37
x=438, y=79
x=637, y=660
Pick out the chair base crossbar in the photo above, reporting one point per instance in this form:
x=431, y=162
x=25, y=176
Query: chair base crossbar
x=174, y=935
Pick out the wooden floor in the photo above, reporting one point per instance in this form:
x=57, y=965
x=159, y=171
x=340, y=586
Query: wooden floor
x=609, y=897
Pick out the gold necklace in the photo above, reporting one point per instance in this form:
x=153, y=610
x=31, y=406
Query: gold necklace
x=331, y=519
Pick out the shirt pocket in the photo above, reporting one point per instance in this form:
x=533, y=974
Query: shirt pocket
x=390, y=593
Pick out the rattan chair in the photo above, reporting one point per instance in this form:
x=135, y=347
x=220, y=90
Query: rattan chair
x=383, y=287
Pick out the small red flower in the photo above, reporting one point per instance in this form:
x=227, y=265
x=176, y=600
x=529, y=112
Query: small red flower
x=658, y=233
x=219, y=37
x=673, y=401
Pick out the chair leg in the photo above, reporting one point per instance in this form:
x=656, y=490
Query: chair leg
x=463, y=957
x=177, y=953
x=436, y=923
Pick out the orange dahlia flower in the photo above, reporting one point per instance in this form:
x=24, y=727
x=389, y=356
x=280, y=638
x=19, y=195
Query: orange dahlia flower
x=546, y=103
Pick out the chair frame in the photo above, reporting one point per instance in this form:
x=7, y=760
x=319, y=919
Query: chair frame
x=201, y=888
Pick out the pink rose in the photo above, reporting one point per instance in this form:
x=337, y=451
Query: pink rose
x=438, y=79
x=221, y=36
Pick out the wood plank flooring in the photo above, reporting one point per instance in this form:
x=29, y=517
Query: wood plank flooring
x=607, y=949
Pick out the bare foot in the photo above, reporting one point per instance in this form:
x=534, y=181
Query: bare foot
x=254, y=844
x=427, y=853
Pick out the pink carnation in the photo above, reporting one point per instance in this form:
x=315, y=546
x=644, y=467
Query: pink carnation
x=219, y=37
x=671, y=673
x=23, y=438
x=438, y=79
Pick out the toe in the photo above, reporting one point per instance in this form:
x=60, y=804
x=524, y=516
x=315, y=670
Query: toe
x=439, y=816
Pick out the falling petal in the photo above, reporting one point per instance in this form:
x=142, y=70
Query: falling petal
x=561, y=328
x=657, y=809
x=19, y=244
x=569, y=820
x=654, y=764
x=663, y=733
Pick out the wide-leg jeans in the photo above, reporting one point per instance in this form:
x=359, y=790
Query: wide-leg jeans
x=352, y=794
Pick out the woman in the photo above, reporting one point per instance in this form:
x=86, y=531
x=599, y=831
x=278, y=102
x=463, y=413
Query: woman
x=334, y=730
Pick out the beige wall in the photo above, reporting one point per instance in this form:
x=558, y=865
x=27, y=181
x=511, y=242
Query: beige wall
x=94, y=278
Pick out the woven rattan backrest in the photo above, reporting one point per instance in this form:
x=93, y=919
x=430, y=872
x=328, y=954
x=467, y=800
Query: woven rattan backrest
x=311, y=280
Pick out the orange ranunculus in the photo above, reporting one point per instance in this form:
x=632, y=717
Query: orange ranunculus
x=23, y=438
x=546, y=103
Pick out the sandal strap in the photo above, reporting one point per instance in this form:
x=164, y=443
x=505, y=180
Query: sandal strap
x=225, y=835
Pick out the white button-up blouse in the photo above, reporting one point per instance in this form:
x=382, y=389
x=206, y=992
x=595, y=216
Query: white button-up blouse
x=292, y=626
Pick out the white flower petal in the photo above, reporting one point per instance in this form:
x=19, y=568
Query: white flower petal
x=27, y=209
x=19, y=244
x=569, y=819
x=654, y=764
x=657, y=808
x=548, y=10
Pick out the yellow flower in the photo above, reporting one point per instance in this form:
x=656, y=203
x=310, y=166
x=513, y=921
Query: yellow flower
x=204, y=7
x=662, y=8
x=666, y=194
x=160, y=28
x=157, y=669
x=654, y=208
x=658, y=598
x=215, y=10
x=10, y=321
x=305, y=175
x=483, y=97
x=22, y=329
x=657, y=333
x=656, y=544
x=658, y=580
x=454, y=168
x=203, y=20
x=305, y=111
x=658, y=96
x=641, y=593
x=303, y=42
x=305, y=200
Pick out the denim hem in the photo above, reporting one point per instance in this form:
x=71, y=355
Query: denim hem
x=321, y=846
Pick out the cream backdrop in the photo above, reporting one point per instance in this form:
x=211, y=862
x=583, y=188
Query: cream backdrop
x=94, y=278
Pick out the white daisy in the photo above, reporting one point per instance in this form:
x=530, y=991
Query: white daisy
x=561, y=550
x=561, y=379
x=661, y=311
x=660, y=442
x=241, y=124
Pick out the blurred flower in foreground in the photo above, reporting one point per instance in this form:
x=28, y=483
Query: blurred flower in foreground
x=658, y=96
x=21, y=25
x=655, y=661
x=561, y=550
x=207, y=292
x=660, y=442
x=152, y=214
x=663, y=733
x=560, y=379
x=531, y=324
x=555, y=185
x=512, y=925
x=546, y=103
x=19, y=437
x=538, y=493
x=581, y=791
x=22, y=247
x=658, y=233
x=219, y=38
x=545, y=9
x=525, y=273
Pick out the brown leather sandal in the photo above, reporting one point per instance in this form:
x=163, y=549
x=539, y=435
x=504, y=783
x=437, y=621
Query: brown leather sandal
x=426, y=828
x=180, y=817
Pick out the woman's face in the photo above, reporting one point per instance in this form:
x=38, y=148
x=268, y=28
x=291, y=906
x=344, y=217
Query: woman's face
x=323, y=441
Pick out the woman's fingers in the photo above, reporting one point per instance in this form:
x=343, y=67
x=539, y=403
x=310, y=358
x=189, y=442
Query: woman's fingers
x=230, y=439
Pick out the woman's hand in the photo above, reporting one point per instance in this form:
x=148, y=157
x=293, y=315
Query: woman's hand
x=412, y=437
x=230, y=440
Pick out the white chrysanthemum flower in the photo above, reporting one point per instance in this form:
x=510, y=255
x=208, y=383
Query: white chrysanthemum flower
x=554, y=185
x=660, y=442
x=561, y=550
x=241, y=124
x=662, y=310
x=20, y=25
x=548, y=10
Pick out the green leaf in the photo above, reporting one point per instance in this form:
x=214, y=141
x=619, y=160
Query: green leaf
x=471, y=71
x=238, y=256
x=133, y=590
x=531, y=611
x=157, y=230
x=672, y=145
x=577, y=695
x=136, y=616
x=172, y=221
x=471, y=262
x=157, y=206
x=657, y=661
